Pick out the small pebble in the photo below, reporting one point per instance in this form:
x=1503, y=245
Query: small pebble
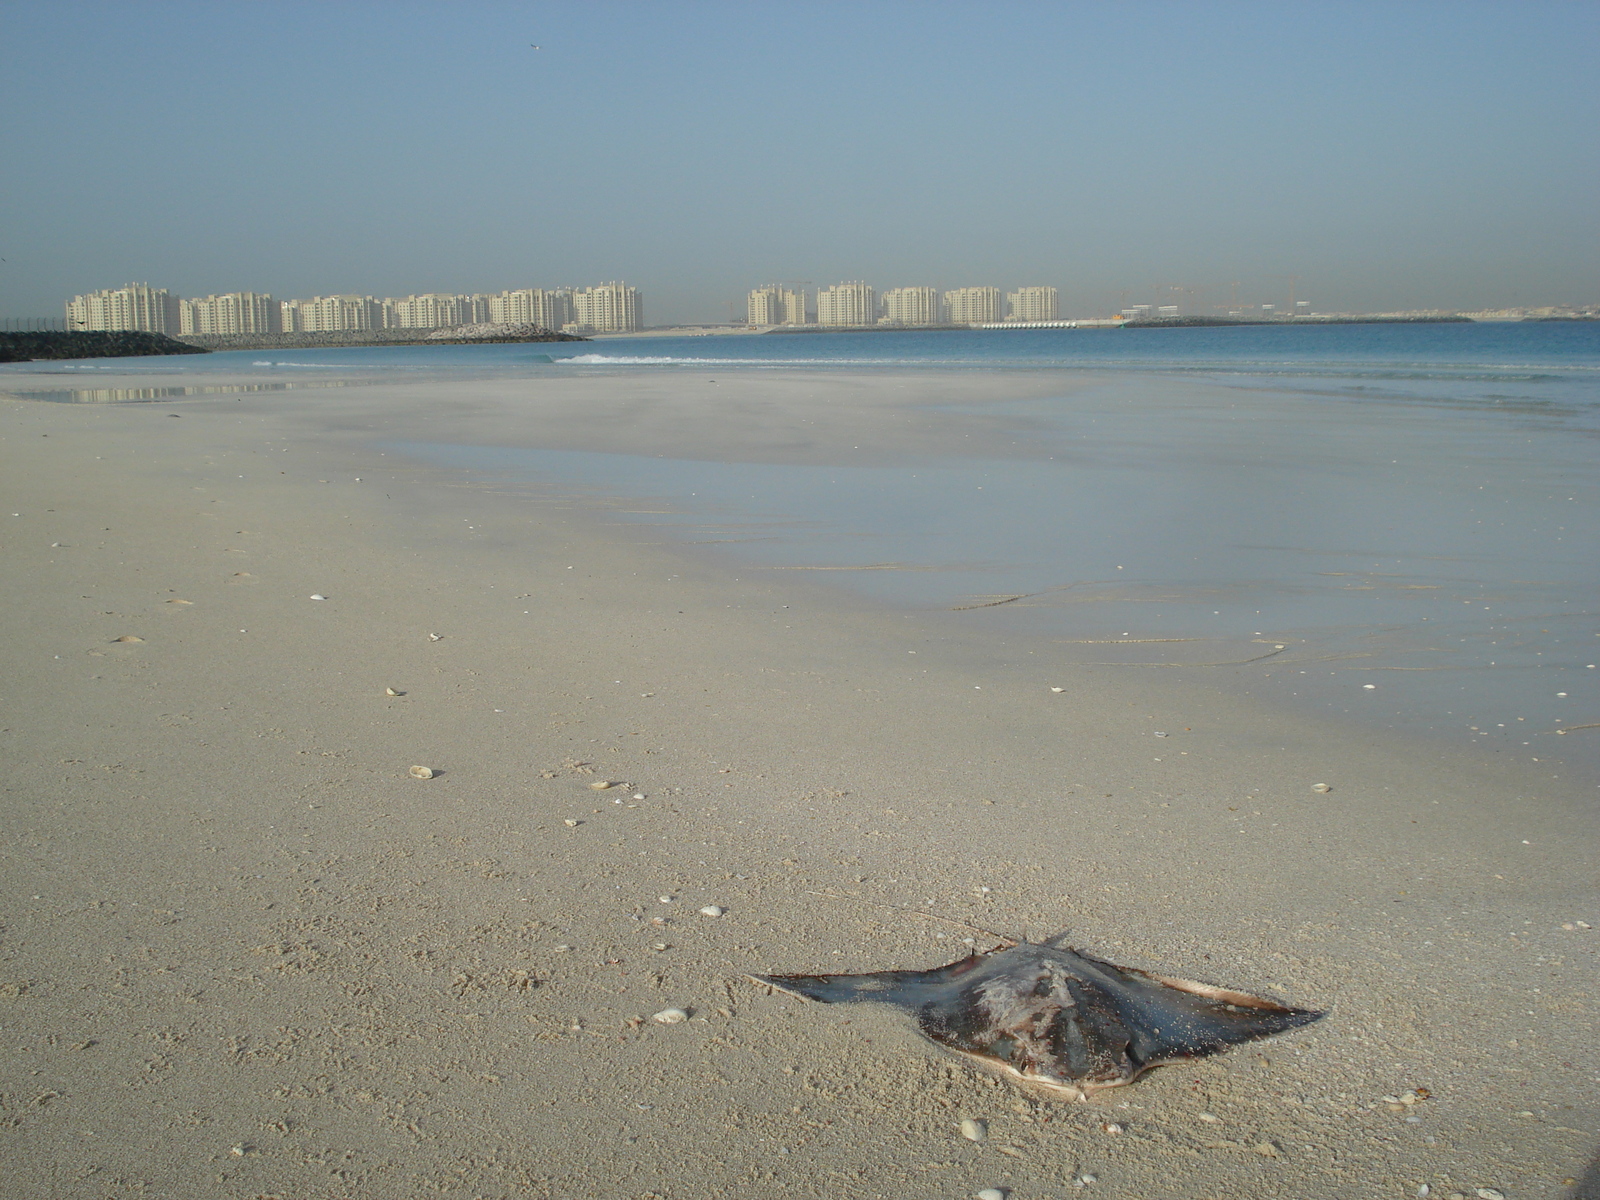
x=670, y=1016
x=1491, y=1194
x=1111, y=1127
x=1056, y=689
x=1371, y=687
x=571, y=824
x=665, y=899
x=237, y=1151
x=713, y=910
x=1266, y=1150
x=1321, y=787
x=1209, y=1119
x=991, y=1194
x=974, y=1130
x=318, y=596
x=422, y=772
x=601, y=785
x=1424, y=1192
x=128, y=637
x=638, y=795
x=1160, y=734
x=1086, y=1179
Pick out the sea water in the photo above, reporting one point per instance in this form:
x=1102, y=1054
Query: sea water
x=1394, y=524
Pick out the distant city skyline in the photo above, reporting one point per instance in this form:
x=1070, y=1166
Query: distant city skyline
x=1366, y=156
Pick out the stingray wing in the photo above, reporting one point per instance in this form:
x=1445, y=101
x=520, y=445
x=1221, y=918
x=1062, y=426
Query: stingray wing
x=907, y=989
x=1174, y=1019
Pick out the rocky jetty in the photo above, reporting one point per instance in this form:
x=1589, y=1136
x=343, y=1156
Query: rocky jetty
x=456, y=335
x=122, y=343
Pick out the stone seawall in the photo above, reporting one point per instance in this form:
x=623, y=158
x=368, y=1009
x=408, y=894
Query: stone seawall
x=464, y=336
x=122, y=343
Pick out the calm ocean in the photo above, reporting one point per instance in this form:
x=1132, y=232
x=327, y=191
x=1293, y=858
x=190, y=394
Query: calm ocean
x=1393, y=523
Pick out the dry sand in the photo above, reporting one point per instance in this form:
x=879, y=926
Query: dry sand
x=245, y=954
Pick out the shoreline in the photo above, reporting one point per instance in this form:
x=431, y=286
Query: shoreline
x=374, y=963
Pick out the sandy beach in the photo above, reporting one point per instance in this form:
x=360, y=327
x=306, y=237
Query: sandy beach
x=246, y=954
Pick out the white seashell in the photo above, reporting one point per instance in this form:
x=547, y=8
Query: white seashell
x=637, y=796
x=1321, y=787
x=713, y=910
x=1159, y=733
x=436, y=637
x=991, y=1194
x=1210, y=1120
x=392, y=692
x=318, y=596
x=422, y=772
x=670, y=1016
x=1371, y=687
x=1056, y=689
x=1111, y=1127
x=974, y=1129
x=571, y=824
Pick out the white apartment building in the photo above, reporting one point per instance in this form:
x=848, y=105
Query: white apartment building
x=911, y=306
x=549, y=309
x=762, y=307
x=972, y=305
x=792, y=306
x=236, y=312
x=331, y=314
x=1033, y=304
x=847, y=304
x=608, y=308
x=136, y=306
x=435, y=310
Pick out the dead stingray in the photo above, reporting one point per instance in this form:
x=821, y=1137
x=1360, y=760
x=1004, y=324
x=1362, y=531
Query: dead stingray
x=1057, y=1019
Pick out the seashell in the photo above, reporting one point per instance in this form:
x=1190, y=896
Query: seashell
x=421, y=772
x=974, y=1129
x=436, y=637
x=670, y=1016
x=991, y=1194
x=392, y=692
x=1111, y=1127
x=180, y=601
x=317, y=596
x=638, y=795
x=1321, y=787
x=601, y=785
x=127, y=637
x=572, y=824
x=713, y=910
x=1056, y=689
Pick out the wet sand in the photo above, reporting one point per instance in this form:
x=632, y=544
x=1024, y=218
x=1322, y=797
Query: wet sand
x=246, y=954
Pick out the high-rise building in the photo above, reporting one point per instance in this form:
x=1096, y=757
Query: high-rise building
x=136, y=306
x=847, y=304
x=1033, y=304
x=236, y=312
x=608, y=308
x=763, y=307
x=792, y=306
x=332, y=314
x=550, y=309
x=911, y=306
x=973, y=305
x=435, y=310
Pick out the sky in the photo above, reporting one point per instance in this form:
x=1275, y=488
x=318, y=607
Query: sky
x=1391, y=155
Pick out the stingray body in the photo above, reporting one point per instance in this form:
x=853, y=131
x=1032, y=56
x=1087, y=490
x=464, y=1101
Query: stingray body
x=1059, y=1020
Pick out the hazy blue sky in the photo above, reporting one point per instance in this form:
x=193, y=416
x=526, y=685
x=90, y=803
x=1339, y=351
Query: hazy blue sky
x=1390, y=154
